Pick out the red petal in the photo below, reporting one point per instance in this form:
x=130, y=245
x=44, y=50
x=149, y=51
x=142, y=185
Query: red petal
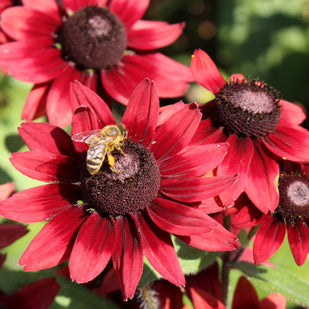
x=121, y=80
x=263, y=173
x=46, y=166
x=142, y=112
x=268, y=239
x=37, y=65
x=219, y=239
x=43, y=202
x=128, y=257
x=75, y=5
x=273, y=301
x=196, y=189
x=178, y=219
x=205, y=72
x=291, y=114
x=150, y=35
x=50, y=246
x=90, y=111
x=245, y=295
x=11, y=232
x=194, y=161
x=22, y=23
x=157, y=247
x=93, y=248
x=37, y=295
x=58, y=106
x=170, y=138
x=290, y=143
x=35, y=104
x=237, y=161
x=45, y=137
x=207, y=134
x=203, y=300
x=6, y=190
x=298, y=236
x=129, y=11
x=43, y=6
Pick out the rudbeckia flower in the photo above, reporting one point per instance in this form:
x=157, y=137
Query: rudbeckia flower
x=147, y=188
x=260, y=128
x=103, y=44
x=291, y=216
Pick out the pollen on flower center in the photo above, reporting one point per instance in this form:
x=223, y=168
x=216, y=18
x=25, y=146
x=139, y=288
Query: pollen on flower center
x=247, y=109
x=294, y=197
x=93, y=37
x=132, y=188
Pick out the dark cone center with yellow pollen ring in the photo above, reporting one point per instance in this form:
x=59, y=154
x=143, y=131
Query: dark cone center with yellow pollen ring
x=132, y=188
x=247, y=109
x=93, y=38
x=294, y=198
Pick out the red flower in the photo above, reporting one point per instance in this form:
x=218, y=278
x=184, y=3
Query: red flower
x=245, y=297
x=9, y=232
x=36, y=295
x=97, y=42
x=124, y=214
x=260, y=129
x=291, y=216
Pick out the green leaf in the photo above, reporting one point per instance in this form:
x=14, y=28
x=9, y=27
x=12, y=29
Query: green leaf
x=70, y=296
x=191, y=260
x=278, y=280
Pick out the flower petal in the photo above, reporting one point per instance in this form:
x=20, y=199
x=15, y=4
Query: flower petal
x=46, y=166
x=179, y=219
x=44, y=137
x=245, y=295
x=273, y=300
x=194, y=161
x=291, y=114
x=37, y=65
x=298, y=236
x=93, y=248
x=290, y=143
x=74, y=5
x=219, y=239
x=35, y=104
x=58, y=95
x=90, y=111
x=150, y=35
x=129, y=11
x=121, y=80
x=37, y=294
x=142, y=112
x=268, y=239
x=195, y=189
x=205, y=72
x=171, y=137
x=43, y=202
x=237, y=161
x=51, y=245
x=43, y=6
x=203, y=300
x=263, y=173
x=157, y=246
x=23, y=23
x=10, y=233
x=128, y=256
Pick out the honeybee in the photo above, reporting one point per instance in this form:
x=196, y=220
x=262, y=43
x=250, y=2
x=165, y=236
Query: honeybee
x=102, y=143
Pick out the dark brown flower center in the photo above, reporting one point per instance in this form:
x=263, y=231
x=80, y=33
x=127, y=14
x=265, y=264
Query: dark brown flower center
x=93, y=38
x=294, y=198
x=247, y=109
x=134, y=186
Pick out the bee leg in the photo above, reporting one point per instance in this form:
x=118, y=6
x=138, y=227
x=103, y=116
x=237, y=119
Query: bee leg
x=111, y=162
x=118, y=147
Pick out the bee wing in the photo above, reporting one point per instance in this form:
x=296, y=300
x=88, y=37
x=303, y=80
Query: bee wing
x=84, y=137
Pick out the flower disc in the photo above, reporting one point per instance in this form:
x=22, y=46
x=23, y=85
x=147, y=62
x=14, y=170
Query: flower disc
x=93, y=37
x=134, y=186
